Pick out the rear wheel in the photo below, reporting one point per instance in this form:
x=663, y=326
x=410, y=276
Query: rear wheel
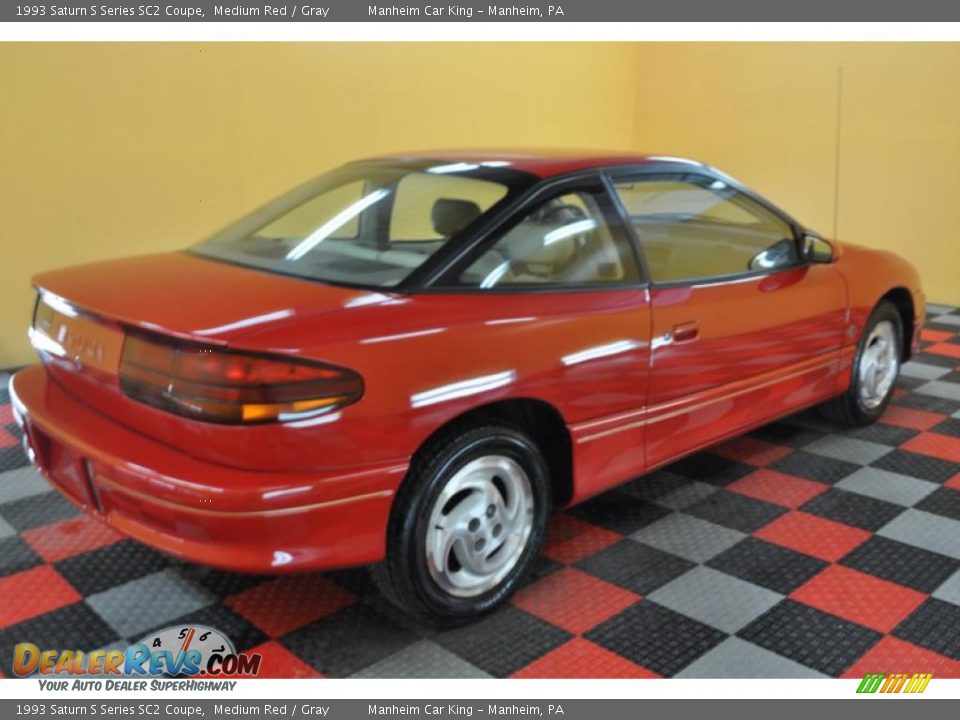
x=467, y=522
x=875, y=370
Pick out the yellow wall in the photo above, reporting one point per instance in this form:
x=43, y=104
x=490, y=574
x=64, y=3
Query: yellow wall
x=113, y=149
x=116, y=149
x=767, y=114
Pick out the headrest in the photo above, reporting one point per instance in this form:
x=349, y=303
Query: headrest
x=450, y=216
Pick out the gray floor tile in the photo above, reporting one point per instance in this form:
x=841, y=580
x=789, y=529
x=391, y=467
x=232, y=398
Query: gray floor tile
x=20, y=483
x=736, y=658
x=148, y=602
x=715, y=598
x=946, y=319
x=950, y=590
x=925, y=530
x=936, y=309
x=941, y=389
x=423, y=659
x=689, y=537
x=923, y=371
x=888, y=486
x=839, y=447
x=5, y=529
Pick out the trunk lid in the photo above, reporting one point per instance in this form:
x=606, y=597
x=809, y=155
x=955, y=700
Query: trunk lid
x=190, y=297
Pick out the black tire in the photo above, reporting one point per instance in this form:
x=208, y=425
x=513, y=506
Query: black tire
x=404, y=577
x=848, y=409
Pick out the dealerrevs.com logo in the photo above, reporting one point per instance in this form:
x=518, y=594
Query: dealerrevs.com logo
x=909, y=683
x=178, y=651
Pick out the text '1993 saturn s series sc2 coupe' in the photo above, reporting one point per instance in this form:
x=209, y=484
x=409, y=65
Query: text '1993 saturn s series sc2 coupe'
x=409, y=361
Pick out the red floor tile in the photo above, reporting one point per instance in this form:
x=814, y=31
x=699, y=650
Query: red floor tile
x=6, y=414
x=892, y=655
x=953, y=482
x=580, y=658
x=71, y=537
x=278, y=662
x=7, y=440
x=859, y=597
x=936, y=445
x=912, y=419
x=573, y=600
x=33, y=592
x=779, y=488
x=289, y=602
x=751, y=450
x=948, y=349
x=822, y=538
x=935, y=336
x=570, y=539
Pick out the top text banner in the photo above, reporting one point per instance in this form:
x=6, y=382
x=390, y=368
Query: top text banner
x=470, y=11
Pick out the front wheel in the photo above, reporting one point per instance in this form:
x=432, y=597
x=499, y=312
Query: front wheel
x=467, y=522
x=875, y=370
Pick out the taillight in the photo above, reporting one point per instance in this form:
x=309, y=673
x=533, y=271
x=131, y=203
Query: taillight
x=226, y=386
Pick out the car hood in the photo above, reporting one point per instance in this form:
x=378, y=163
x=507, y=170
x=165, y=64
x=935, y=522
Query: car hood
x=193, y=297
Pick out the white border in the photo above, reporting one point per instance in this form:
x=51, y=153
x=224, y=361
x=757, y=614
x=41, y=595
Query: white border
x=479, y=31
x=546, y=690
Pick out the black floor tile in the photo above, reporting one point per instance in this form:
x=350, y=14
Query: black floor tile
x=619, y=511
x=900, y=563
x=788, y=434
x=852, y=509
x=917, y=465
x=656, y=637
x=736, y=511
x=12, y=458
x=950, y=426
x=504, y=642
x=942, y=501
x=16, y=556
x=36, y=510
x=890, y=435
x=930, y=403
x=814, y=467
x=74, y=627
x=935, y=625
x=771, y=566
x=810, y=637
x=709, y=468
x=635, y=567
x=348, y=640
x=109, y=566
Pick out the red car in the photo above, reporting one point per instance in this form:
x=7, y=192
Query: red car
x=410, y=360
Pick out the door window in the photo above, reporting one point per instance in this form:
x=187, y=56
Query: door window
x=704, y=228
x=566, y=241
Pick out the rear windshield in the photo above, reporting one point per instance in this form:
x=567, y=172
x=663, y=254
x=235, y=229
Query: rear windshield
x=369, y=224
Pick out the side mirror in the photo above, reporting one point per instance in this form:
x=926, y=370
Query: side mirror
x=816, y=249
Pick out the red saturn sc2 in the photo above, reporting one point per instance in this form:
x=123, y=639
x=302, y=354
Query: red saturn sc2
x=410, y=360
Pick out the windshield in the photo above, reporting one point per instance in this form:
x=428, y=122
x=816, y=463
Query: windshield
x=368, y=224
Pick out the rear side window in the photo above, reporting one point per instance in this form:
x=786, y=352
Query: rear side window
x=367, y=224
x=412, y=219
x=692, y=229
x=566, y=241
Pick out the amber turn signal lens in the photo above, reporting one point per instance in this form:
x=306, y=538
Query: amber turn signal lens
x=214, y=384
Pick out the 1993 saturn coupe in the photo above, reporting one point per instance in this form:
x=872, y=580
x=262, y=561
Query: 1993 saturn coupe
x=410, y=360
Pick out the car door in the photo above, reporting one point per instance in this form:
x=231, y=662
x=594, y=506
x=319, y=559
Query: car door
x=567, y=262
x=744, y=330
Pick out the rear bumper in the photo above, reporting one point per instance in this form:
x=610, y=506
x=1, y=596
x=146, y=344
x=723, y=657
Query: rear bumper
x=249, y=521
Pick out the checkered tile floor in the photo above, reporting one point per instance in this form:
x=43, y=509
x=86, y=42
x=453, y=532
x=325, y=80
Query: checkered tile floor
x=799, y=550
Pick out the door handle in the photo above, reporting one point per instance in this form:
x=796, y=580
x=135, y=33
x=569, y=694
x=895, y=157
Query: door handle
x=686, y=332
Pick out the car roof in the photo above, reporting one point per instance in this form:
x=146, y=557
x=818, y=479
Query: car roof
x=543, y=163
